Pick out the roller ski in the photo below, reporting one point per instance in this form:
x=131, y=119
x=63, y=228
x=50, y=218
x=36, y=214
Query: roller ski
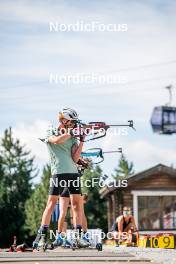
x=69, y=244
x=96, y=244
x=58, y=242
x=63, y=242
x=41, y=243
x=80, y=242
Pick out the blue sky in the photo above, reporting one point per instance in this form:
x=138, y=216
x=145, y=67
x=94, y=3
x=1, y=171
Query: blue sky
x=29, y=53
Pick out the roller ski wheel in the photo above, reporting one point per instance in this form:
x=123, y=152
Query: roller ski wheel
x=99, y=247
x=74, y=246
x=51, y=247
x=43, y=244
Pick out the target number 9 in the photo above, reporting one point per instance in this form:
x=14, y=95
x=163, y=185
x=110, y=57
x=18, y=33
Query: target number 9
x=166, y=241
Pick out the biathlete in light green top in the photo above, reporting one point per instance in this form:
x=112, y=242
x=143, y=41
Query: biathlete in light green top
x=64, y=151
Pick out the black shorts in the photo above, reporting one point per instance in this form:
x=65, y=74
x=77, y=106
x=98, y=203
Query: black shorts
x=59, y=182
x=66, y=193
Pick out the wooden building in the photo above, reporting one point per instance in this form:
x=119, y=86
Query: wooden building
x=152, y=196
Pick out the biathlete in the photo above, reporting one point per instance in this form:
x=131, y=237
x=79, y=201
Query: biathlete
x=64, y=150
x=64, y=204
x=124, y=226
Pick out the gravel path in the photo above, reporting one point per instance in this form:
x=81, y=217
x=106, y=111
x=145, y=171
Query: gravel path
x=155, y=254
x=110, y=254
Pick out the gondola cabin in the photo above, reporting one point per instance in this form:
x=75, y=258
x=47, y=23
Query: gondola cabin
x=163, y=120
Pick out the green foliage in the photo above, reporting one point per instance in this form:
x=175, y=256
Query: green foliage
x=16, y=173
x=124, y=169
x=95, y=208
x=36, y=204
x=21, y=207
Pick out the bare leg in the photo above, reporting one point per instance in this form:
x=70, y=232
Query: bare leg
x=84, y=219
x=128, y=229
x=84, y=222
x=78, y=212
x=64, y=229
x=76, y=204
x=72, y=218
x=52, y=200
x=63, y=205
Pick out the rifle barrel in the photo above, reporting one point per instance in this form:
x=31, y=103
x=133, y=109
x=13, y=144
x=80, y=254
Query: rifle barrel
x=114, y=151
x=118, y=125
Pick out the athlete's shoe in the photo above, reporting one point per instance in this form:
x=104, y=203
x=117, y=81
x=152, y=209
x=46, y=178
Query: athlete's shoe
x=85, y=237
x=67, y=243
x=41, y=239
x=35, y=245
x=42, y=245
x=36, y=241
x=59, y=241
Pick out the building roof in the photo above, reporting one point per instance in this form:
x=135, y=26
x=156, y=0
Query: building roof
x=158, y=169
x=154, y=170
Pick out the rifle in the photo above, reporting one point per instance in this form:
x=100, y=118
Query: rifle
x=97, y=129
x=94, y=130
x=98, y=154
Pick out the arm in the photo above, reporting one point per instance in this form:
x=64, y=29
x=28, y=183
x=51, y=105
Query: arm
x=59, y=139
x=120, y=226
x=76, y=151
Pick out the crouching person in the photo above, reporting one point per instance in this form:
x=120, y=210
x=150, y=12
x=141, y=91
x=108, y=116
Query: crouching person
x=124, y=227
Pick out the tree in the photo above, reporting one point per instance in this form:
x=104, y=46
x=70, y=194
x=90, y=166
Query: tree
x=16, y=172
x=95, y=208
x=35, y=205
x=124, y=169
